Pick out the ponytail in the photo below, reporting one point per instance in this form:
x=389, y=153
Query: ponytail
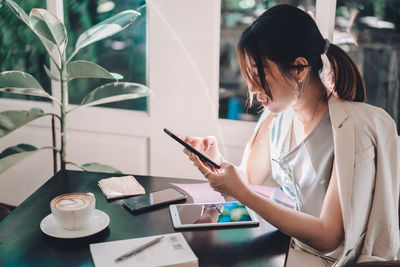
x=349, y=84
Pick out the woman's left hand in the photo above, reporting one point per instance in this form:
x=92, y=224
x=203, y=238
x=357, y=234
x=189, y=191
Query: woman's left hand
x=228, y=181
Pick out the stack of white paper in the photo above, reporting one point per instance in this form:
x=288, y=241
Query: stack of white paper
x=172, y=250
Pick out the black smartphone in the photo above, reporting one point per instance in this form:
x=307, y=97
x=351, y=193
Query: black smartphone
x=193, y=150
x=153, y=199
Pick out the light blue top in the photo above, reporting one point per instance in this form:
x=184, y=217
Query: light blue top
x=303, y=172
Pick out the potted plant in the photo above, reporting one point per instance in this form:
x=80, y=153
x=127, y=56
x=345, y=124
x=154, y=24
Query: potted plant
x=53, y=35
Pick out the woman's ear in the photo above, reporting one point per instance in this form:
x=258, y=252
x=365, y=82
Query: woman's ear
x=301, y=71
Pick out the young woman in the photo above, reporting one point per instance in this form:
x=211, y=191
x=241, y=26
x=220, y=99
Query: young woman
x=332, y=153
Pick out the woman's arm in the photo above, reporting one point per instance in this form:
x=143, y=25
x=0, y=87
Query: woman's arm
x=324, y=233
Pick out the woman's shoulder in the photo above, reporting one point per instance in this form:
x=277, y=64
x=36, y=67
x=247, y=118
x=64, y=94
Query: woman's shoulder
x=363, y=114
x=370, y=123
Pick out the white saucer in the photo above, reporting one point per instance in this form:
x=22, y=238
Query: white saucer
x=99, y=222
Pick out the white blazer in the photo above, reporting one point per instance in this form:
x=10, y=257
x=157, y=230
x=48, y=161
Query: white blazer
x=366, y=159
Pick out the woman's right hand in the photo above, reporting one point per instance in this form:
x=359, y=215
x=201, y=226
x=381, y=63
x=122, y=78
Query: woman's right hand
x=207, y=146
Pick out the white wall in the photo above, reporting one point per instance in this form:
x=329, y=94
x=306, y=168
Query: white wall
x=184, y=73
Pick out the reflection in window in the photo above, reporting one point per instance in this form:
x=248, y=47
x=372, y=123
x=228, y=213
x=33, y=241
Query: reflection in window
x=20, y=49
x=237, y=15
x=123, y=53
x=370, y=32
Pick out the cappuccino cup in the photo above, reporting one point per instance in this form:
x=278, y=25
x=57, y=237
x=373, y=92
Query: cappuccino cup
x=73, y=211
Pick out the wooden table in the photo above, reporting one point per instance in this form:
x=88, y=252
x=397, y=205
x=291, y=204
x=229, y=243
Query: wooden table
x=22, y=243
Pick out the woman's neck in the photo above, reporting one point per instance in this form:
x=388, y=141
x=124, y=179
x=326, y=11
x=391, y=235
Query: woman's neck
x=310, y=106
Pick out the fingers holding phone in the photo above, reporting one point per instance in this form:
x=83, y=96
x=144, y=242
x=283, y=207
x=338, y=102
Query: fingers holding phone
x=228, y=180
x=215, y=177
x=195, y=142
x=208, y=146
x=192, y=149
x=204, y=168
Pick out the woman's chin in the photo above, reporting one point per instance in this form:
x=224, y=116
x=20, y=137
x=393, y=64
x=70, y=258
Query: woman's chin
x=273, y=109
x=267, y=105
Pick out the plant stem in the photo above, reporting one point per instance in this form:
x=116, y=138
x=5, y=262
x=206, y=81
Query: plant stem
x=64, y=106
x=53, y=133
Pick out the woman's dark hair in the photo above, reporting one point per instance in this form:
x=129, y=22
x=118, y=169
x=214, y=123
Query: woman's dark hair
x=284, y=33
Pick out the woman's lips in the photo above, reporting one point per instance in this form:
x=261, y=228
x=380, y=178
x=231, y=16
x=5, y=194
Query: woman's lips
x=263, y=101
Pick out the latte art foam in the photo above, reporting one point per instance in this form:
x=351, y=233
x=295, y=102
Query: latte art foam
x=72, y=202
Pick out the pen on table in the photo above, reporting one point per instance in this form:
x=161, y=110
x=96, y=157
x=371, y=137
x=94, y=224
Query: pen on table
x=138, y=249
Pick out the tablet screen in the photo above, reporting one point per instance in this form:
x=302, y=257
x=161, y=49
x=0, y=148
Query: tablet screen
x=208, y=214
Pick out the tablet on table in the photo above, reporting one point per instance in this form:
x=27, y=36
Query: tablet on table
x=196, y=215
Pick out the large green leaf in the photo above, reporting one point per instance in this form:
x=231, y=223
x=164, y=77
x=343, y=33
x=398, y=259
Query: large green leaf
x=87, y=69
x=18, y=11
x=18, y=79
x=105, y=29
x=18, y=82
x=14, y=154
x=50, y=48
x=96, y=167
x=48, y=26
x=11, y=120
x=113, y=92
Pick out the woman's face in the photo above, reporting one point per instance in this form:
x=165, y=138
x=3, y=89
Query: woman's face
x=282, y=89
